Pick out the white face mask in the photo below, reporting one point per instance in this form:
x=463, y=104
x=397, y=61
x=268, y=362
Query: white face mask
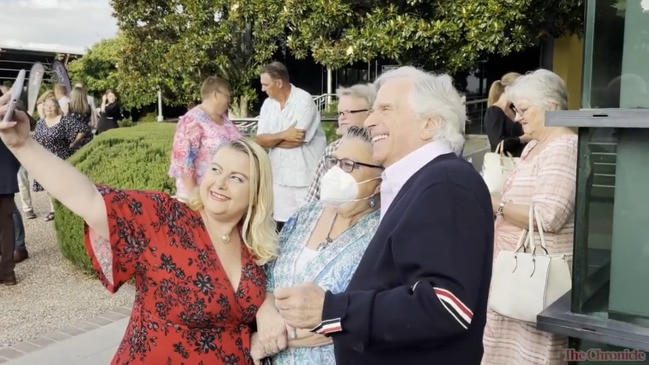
x=338, y=187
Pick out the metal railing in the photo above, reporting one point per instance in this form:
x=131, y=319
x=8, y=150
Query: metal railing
x=321, y=101
x=475, y=117
x=248, y=126
x=475, y=110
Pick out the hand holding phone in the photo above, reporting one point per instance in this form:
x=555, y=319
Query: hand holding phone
x=14, y=126
x=16, y=93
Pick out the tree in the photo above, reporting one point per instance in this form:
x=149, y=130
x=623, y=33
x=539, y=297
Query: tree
x=173, y=45
x=448, y=35
x=97, y=69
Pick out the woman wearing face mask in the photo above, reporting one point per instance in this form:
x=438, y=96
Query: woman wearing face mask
x=323, y=242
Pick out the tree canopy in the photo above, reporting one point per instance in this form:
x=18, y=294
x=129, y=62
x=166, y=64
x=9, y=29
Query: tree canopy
x=97, y=69
x=175, y=45
x=450, y=35
x=172, y=45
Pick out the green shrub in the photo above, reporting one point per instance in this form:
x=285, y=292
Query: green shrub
x=330, y=131
x=126, y=122
x=148, y=118
x=331, y=111
x=129, y=158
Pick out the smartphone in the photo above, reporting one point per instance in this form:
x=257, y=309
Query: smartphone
x=16, y=93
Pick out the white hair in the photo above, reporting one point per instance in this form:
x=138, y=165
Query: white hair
x=541, y=88
x=434, y=96
x=361, y=91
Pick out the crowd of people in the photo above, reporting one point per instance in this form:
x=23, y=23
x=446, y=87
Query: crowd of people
x=282, y=249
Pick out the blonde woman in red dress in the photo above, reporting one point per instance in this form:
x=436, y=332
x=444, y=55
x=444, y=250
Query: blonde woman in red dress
x=197, y=268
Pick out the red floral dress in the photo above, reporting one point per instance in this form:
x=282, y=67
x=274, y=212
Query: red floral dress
x=186, y=310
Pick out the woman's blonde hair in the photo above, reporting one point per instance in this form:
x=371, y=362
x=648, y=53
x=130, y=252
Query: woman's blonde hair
x=49, y=94
x=78, y=102
x=258, y=227
x=498, y=87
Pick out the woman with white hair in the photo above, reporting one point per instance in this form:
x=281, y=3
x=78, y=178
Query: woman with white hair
x=354, y=104
x=323, y=242
x=545, y=178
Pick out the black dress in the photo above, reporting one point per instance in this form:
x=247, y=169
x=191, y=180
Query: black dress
x=109, y=117
x=58, y=137
x=80, y=118
x=500, y=128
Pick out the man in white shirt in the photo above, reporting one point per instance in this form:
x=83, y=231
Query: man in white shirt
x=289, y=127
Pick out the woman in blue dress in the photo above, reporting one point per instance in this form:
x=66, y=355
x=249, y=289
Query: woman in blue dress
x=323, y=243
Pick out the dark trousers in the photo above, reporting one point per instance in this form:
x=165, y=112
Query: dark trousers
x=7, y=235
x=19, y=226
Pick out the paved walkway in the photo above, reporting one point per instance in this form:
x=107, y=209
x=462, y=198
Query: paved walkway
x=91, y=341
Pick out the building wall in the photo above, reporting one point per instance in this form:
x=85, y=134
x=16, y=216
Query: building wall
x=567, y=62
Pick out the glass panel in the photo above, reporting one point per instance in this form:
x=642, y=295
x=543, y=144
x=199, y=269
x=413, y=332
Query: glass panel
x=616, y=71
x=611, y=241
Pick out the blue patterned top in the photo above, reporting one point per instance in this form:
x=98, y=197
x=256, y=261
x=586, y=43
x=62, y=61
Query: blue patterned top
x=331, y=269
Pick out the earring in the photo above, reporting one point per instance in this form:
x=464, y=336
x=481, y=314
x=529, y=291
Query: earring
x=372, y=202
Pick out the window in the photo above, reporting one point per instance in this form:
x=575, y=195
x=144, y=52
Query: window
x=611, y=239
x=616, y=59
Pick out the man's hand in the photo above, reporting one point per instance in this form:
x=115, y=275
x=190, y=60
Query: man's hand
x=292, y=134
x=301, y=306
x=287, y=144
x=306, y=338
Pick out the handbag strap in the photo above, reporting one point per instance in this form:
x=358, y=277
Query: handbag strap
x=500, y=149
x=535, y=217
x=522, y=241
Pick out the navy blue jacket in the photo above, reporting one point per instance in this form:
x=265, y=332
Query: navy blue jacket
x=8, y=171
x=419, y=294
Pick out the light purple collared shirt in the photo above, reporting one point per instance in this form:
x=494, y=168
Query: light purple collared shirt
x=396, y=175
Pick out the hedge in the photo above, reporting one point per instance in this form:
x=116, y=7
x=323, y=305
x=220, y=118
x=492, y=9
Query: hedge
x=130, y=158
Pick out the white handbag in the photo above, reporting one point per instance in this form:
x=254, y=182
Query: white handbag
x=525, y=281
x=496, y=166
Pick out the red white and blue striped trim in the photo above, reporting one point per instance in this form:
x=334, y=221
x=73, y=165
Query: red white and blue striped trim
x=460, y=312
x=329, y=326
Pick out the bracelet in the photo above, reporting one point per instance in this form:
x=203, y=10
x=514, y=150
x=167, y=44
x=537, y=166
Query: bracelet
x=501, y=208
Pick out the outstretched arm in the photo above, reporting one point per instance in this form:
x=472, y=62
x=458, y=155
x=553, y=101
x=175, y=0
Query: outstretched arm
x=65, y=183
x=58, y=177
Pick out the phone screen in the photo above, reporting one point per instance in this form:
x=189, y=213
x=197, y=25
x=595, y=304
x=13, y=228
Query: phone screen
x=16, y=93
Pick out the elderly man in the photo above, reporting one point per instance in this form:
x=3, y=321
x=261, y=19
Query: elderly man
x=354, y=105
x=419, y=294
x=289, y=126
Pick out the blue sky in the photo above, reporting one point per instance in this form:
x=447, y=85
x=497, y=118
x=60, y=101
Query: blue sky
x=58, y=25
